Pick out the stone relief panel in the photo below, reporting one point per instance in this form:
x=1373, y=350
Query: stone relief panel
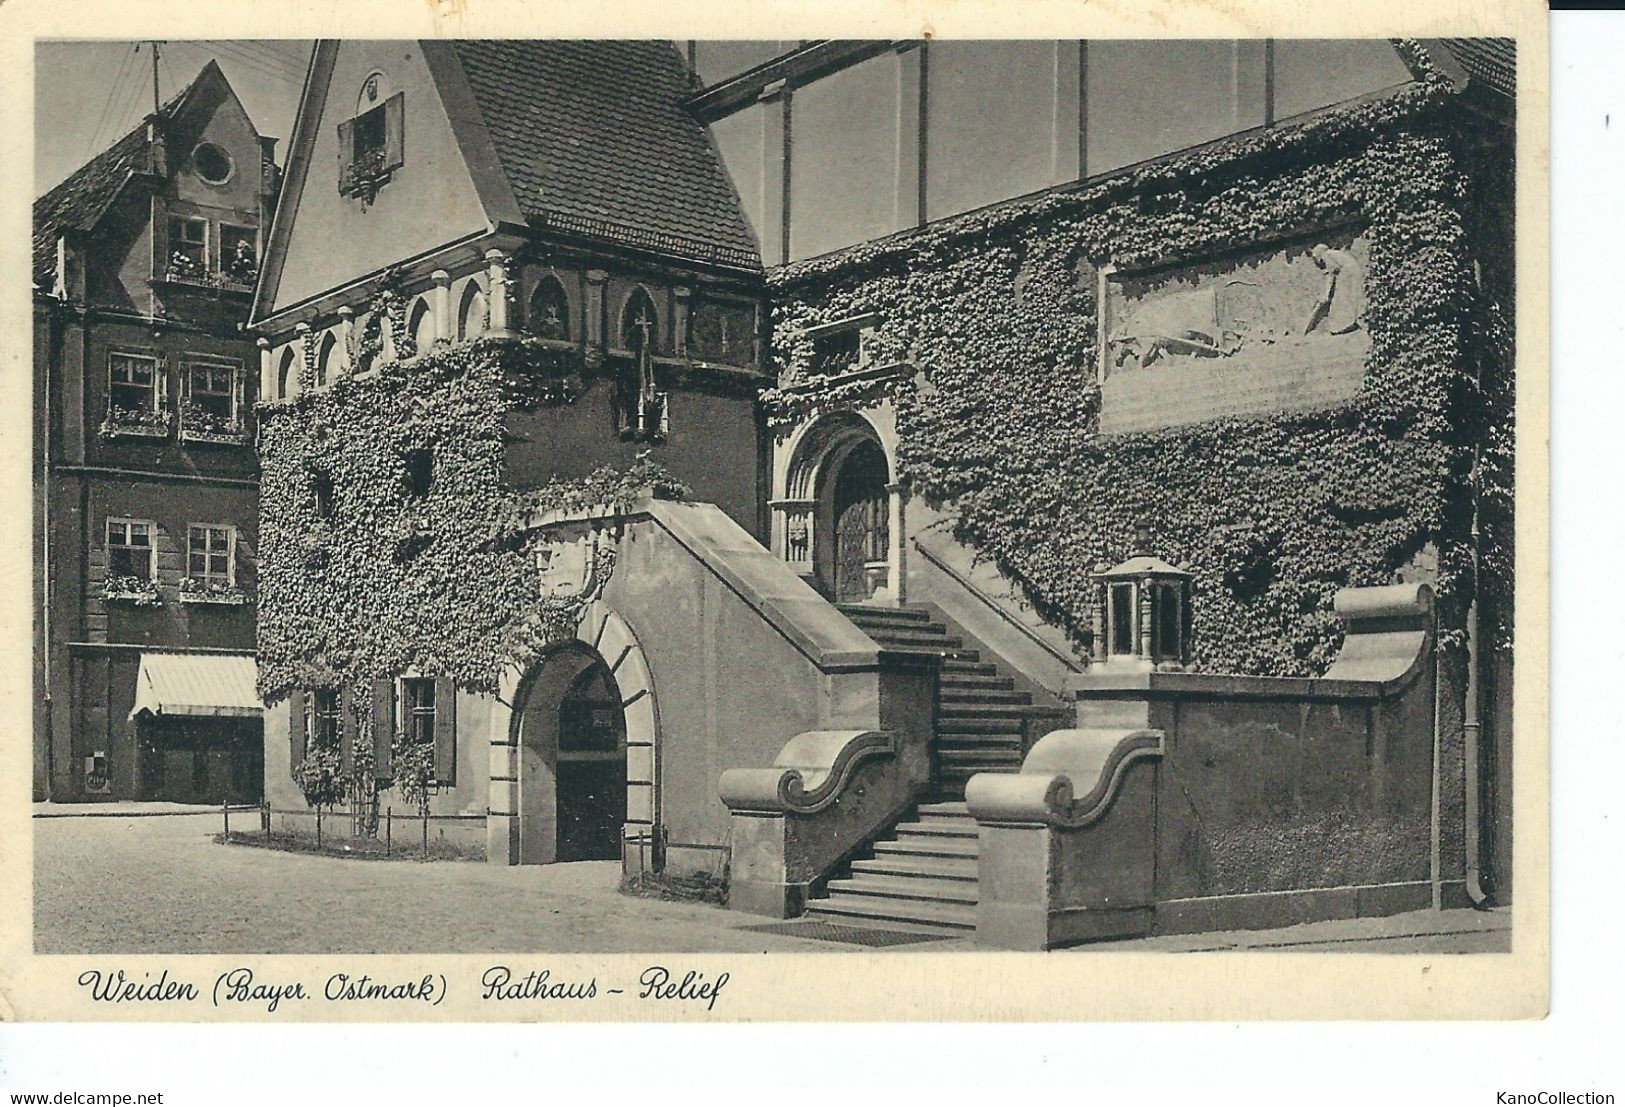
x=1279, y=329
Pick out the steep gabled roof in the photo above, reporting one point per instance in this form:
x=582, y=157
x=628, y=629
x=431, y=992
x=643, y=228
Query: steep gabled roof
x=594, y=139
x=79, y=202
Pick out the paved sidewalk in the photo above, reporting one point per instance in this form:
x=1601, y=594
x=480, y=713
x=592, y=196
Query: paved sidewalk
x=1453, y=931
x=119, y=808
x=162, y=885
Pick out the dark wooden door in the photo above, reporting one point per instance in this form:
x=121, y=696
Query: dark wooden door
x=861, y=521
x=591, y=806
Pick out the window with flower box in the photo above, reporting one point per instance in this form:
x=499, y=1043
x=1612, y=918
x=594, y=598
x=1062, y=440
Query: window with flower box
x=239, y=255
x=371, y=144
x=188, y=248
x=211, y=565
x=212, y=406
x=135, y=396
x=132, y=562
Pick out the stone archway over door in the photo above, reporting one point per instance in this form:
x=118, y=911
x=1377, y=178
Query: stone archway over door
x=838, y=517
x=585, y=713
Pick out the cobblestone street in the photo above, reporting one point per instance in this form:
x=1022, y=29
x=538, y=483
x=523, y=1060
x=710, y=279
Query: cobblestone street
x=162, y=885
x=146, y=884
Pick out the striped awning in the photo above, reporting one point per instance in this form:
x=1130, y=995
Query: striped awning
x=196, y=684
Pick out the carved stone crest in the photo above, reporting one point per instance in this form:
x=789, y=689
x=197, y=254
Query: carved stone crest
x=574, y=573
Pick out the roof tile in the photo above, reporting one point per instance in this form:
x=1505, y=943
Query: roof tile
x=595, y=140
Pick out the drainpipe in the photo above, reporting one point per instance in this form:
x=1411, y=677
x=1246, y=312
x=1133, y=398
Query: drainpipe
x=1470, y=736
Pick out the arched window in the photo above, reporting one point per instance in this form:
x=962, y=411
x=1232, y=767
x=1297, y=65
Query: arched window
x=422, y=325
x=549, y=313
x=640, y=324
x=327, y=360
x=471, y=313
x=285, y=377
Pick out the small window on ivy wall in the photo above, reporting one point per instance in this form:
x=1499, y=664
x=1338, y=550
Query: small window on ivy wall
x=326, y=724
x=419, y=465
x=321, y=490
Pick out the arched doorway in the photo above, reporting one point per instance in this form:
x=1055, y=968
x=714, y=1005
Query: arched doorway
x=860, y=513
x=837, y=509
x=570, y=730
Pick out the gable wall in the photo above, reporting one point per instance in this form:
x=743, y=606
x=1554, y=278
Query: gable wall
x=429, y=201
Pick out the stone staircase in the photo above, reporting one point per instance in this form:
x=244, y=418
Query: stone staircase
x=924, y=875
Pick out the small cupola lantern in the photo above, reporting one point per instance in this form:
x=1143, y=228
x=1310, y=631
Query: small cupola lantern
x=1142, y=611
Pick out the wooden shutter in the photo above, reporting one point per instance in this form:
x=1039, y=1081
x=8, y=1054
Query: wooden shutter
x=296, y=730
x=346, y=154
x=346, y=729
x=445, y=731
x=383, y=727
x=395, y=131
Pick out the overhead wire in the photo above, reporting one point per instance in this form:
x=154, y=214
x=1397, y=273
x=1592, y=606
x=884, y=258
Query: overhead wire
x=120, y=75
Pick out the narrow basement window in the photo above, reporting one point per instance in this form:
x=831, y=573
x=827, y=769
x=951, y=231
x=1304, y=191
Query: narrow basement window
x=419, y=472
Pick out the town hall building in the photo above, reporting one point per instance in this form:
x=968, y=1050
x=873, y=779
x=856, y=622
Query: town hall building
x=1050, y=490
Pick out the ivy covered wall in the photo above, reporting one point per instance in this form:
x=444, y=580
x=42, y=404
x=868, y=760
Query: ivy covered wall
x=997, y=313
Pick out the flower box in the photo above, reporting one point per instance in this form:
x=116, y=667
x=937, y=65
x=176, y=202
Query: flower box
x=197, y=591
x=124, y=422
x=135, y=591
x=199, y=425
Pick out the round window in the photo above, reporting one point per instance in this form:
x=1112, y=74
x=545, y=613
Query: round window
x=212, y=163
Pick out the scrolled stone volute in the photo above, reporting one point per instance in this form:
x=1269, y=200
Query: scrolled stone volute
x=808, y=775
x=1045, y=790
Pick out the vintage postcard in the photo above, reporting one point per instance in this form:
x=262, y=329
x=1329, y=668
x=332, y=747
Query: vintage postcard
x=740, y=517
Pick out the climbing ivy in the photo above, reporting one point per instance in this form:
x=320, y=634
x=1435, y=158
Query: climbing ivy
x=996, y=310
x=388, y=582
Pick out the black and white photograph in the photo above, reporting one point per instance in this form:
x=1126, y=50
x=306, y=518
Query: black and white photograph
x=554, y=496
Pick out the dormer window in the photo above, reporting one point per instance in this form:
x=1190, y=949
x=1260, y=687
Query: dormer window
x=371, y=144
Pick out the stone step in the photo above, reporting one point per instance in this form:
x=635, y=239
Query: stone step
x=886, y=631
x=964, y=763
x=957, y=668
x=935, y=826
x=1012, y=711
x=956, y=681
x=948, y=809
x=956, y=698
x=1000, y=743
x=863, y=613
x=921, y=641
x=927, y=847
x=980, y=724
x=955, y=916
x=934, y=868
x=922, y=888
